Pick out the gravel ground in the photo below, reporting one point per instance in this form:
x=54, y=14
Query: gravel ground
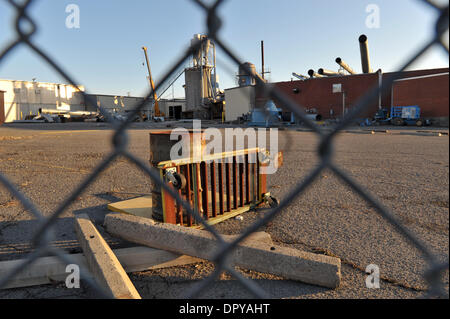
x=408, y=173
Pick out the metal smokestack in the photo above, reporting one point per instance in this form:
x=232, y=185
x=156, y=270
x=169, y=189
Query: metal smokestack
x=345, y=66
x=328, y=72
x=365, y=60
x=313, y=74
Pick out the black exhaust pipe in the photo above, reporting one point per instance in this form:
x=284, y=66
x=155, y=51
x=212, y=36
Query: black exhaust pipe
x=345, y=66
x=364, y=48
x=326, y=72
x=313, y=74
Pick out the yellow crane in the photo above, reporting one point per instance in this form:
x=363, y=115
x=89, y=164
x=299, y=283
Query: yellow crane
x=158, y=113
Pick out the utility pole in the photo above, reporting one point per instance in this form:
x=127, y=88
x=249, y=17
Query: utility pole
x=262, y=59
x=343, y=104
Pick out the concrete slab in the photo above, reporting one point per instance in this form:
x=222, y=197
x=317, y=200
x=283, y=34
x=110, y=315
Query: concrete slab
x=286, y=262
x=140, y=206
x=48, y=270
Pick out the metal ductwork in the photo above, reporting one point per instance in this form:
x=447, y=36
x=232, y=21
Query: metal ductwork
x=328, y=72
x=314, y=74
x=345, y=66
x=365, y=60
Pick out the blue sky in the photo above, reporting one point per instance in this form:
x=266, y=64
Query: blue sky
x=105, y=53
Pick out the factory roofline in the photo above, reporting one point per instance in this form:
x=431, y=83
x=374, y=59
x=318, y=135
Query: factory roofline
x=115, y=95
x=54, y=83
x=136, y=97
x=423, y=77
x=432, y=71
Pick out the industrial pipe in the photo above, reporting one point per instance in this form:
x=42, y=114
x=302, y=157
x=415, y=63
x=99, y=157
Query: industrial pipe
x=75, y=113
x=327, y=72
x=345, y=66
x=364, y=48
x=314, y=74
x=300, y=76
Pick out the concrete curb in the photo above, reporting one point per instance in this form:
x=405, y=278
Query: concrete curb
x=286, y=262
x=102, y=262
x=359, y=132
x=422, y=133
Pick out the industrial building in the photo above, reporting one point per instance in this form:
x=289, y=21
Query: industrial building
x=171, y=108
x=114, y=103
x=21, y=98
x=430, y=92
x=174, y=109
x=203, y=96
x=239, y=101
x=243, y=99
x=332, y=96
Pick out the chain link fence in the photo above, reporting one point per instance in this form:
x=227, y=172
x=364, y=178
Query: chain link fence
x=42, y=236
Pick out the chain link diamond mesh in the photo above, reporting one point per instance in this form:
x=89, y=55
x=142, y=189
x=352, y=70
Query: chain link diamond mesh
x=42, y=236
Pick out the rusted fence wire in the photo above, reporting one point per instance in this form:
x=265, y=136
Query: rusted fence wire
x=42, y=236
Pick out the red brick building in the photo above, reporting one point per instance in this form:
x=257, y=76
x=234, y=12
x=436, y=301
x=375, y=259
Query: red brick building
x=429, y=93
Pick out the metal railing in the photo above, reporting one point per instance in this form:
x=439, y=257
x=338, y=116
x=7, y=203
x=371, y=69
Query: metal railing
x=42, y=235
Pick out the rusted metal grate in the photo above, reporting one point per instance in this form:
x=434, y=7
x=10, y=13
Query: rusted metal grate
x=206, y=185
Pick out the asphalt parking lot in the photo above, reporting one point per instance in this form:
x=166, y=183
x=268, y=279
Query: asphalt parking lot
x=408, y=172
